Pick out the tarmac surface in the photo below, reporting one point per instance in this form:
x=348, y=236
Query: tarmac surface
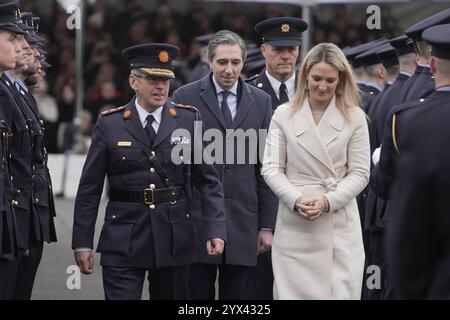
x=53, y=280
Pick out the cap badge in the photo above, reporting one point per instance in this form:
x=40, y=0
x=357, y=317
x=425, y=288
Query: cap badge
x=285, y=28
x=163, y=56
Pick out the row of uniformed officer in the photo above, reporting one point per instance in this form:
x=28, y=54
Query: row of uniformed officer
x=27, y=194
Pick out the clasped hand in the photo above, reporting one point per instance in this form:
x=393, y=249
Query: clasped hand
x=311, y=207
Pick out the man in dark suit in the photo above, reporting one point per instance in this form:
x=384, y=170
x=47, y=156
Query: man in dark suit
x=230, y=107
x=281, y=40
x=418, y=236
x=148, y=225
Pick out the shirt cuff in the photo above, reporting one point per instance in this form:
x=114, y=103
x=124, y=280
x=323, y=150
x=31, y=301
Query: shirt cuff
x=82, y=249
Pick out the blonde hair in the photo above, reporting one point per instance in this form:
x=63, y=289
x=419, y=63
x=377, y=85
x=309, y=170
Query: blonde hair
x=347, y=93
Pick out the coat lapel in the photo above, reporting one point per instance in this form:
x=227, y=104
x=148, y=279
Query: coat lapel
x=246, y=102
x=309, y=137
x=331, y=124
x=209, y=97
x=167, y=126
x=133, y=124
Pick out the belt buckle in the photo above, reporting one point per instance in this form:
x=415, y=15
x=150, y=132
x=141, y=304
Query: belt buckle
x=148, y=201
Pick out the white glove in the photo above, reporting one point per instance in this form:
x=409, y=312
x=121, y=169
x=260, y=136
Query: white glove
x=376, y=156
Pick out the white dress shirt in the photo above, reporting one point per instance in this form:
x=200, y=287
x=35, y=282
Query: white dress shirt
x=290, y=85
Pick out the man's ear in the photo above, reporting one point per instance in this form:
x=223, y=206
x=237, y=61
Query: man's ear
x=264, y=49
x=433, y=66
x=133, y=82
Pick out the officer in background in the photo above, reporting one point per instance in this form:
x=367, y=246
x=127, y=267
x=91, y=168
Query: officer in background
x=201, y=69
x=421, y=84
x=147, y=226
x=418, y=237
x=10, y=47
x=281, y=39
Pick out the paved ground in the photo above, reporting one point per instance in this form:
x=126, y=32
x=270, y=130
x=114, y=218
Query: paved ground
x=57, y=257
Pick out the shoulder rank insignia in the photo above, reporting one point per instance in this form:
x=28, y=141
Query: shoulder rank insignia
x=108, y=112
x=260, y=85
x=183, y=106
x=127, y=115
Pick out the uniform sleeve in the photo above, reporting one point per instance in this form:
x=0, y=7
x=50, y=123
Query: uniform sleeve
x=90, y=189
x=274, y=164
x=267, y=200
x=383, y=173
x=358, y=164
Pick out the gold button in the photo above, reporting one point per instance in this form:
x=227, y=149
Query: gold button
x=152, y=187
x=37, y=200
x=152, y=170
x=188, y=216
x=152, y=206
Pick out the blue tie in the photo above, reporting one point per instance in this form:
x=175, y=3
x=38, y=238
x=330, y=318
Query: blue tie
x=151, y=134
x=283, y=94
x=226, y=110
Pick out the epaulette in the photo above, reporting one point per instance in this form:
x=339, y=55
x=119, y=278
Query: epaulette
x=108, y=112
x=184, y=106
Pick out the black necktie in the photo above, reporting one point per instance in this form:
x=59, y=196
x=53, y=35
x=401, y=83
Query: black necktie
x=283, y=94
x=226, y=110
x=151, y=134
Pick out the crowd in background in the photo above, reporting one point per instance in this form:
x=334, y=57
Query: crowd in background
x=110, y=29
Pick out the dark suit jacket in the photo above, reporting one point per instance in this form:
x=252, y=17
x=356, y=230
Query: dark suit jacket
x=418, y=236
x=134, y=235
x=250, y=204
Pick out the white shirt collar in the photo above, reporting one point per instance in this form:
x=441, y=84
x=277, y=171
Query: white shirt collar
x=290, y=84
x=143, y=114
x=219, y=88
x=406, y=73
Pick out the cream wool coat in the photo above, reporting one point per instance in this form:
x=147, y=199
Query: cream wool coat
x=321, y=259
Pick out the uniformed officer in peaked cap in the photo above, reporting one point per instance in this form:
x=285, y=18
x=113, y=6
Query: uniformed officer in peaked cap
x=421, y=83
x=418, y=234
x=281, y=39
x=147, y=226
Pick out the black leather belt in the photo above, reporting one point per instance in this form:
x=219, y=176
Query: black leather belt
x=147, y=196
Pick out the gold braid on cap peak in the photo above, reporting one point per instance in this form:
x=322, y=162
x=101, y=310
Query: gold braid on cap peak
x=156, y=72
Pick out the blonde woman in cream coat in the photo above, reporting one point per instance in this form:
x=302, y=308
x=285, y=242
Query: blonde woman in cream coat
x=317, y=160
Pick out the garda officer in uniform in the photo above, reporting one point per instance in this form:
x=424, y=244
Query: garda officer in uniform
x=421, y=84
x=8, y=241
x=418, y=236
x=147, y=221
x=37, y=184
x=394, y=136
x=404, y=48
x=281, y=38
